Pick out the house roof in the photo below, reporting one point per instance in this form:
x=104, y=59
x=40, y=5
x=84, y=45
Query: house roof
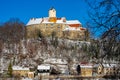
x=69, y=28
x=43, y=67
x=34, y=21
x=59, y=21
x=73, y=22
x=55, y=61
x=46, y=20
x=86, y=66
x=19, y=68
x=109, y=65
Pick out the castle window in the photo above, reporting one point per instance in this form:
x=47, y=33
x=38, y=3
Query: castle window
x=99, y=72
x=52, y=25
x=46, y=25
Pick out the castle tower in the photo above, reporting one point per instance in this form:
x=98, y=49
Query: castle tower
x=52, y=12
x=52, y=15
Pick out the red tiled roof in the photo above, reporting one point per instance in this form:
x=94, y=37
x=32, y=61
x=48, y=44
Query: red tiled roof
x=82, y=28
x=74, y=25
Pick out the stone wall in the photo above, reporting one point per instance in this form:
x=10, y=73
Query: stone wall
x=48, y=29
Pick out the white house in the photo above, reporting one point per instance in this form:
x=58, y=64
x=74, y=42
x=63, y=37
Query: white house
x=44, y=69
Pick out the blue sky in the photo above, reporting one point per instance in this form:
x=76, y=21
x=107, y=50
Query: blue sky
x=26, y=9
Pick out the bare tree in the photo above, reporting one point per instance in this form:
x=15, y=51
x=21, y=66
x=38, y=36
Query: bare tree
x=105, y=20
x=11, y=34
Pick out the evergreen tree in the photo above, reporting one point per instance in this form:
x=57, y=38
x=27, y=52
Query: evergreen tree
x=10, y=69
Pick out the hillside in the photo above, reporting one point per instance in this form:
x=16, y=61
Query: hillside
x=33, y=52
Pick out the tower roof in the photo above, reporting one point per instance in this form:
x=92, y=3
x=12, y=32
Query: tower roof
x=52, y=8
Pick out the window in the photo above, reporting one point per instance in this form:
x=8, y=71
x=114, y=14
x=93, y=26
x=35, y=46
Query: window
x=99, y=68
x=46, y=25
x=52, y=25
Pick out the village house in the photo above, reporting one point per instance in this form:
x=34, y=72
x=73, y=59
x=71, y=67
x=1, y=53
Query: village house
x=107, y=69
x=86, y=69
x=44, y=70
x=20, y=71
x=70, y=29
x=89, y=69
x=59, y=65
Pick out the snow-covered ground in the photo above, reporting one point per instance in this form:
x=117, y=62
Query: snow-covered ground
x=26, y=79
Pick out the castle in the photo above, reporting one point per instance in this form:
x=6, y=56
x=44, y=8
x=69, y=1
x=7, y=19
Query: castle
x=69, y=29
